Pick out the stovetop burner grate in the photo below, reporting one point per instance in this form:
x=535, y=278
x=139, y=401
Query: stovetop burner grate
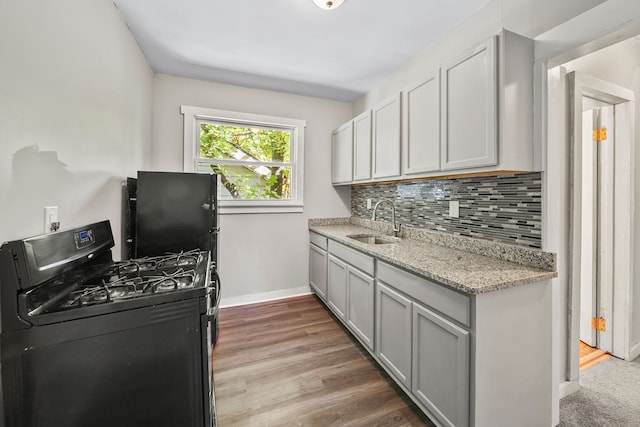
x=141, y=265
x=127, y=280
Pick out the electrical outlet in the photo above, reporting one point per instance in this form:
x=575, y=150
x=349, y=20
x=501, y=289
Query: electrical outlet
x=51, y=222
x=454, y=209
x=368, y=203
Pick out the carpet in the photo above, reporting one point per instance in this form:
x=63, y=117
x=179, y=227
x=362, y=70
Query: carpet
x=609, y=395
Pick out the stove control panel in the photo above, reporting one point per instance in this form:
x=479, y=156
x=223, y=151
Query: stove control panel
x=84, y=238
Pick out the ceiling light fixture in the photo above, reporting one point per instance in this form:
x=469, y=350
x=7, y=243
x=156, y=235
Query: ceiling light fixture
x=328, y=4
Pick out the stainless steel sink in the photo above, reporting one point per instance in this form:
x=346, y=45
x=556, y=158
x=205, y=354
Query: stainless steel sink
x=373, y=239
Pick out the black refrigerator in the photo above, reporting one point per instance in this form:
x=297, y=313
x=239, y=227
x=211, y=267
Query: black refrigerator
x=175, y=212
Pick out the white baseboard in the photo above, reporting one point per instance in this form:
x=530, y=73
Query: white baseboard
x=264, y=296
x=569, y=387
x=634, y=352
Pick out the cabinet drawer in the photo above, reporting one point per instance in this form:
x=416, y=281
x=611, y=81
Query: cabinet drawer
x=456, y=306
x=318, y=240
x=353, y=257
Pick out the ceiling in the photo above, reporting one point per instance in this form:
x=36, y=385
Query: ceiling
x=289, y=45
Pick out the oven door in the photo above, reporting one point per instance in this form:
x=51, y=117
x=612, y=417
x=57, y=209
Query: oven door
x=139, y=367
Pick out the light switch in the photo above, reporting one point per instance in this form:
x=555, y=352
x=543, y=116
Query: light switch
x=454, y=209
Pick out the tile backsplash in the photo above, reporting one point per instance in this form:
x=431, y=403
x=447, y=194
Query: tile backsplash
x=504, y=208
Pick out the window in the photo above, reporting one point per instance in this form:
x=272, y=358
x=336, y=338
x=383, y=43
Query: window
x=258, y=159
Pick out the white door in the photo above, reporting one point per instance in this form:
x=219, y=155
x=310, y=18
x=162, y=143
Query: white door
x=596, y=284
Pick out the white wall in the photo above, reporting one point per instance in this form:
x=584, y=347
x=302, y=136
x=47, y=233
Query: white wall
x=261, y=255
x=526, y=17
x=75, y=113
x=620, y=64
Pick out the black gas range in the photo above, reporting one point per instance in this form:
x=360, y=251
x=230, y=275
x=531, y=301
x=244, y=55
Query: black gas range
x=88, y=341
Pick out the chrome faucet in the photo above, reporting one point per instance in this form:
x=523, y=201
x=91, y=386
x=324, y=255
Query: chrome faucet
x=396, y=227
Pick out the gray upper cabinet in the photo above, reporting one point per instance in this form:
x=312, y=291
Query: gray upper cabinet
x=487, y=107
x=472, y=114
x=342, y=155
x=421, y=127
x=386, y=138
x=469, y=109
x=362, y=147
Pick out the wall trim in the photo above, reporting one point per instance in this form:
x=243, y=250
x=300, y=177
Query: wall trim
x=264, y=296
x=569, y=387
x=634, y=352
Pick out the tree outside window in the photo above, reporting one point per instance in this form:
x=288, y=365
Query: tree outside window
x=253, y=163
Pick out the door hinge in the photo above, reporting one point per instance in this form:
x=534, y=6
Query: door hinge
x=599, y=324
x=600, y=134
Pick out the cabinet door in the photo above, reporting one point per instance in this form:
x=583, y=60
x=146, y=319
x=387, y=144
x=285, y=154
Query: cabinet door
x=441, y=367
x=318, y=271
x=469, y=110
x=393, y=332
x=362, y=147
x=360, y=305
x=421, y=127
x=386, y=138
x=337, y=286
x=342, y=154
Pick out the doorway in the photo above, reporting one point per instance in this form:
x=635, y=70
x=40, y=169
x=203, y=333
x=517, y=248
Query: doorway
x=600, y=245
x=596, y=286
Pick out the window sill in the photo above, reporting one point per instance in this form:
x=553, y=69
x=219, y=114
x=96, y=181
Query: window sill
x=259, y=209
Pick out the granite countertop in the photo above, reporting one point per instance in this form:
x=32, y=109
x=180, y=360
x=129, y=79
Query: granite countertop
x=459, y=262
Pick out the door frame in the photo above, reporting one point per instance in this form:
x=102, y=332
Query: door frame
x=579, y=86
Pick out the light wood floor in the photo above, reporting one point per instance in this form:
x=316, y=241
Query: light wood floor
x=590, y=356
x=289, y=363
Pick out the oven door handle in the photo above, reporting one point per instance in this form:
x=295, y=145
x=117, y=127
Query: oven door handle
x=218, y=286
x=212, y=312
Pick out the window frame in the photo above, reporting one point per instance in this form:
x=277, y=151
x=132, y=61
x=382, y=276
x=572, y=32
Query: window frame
x=192, y=118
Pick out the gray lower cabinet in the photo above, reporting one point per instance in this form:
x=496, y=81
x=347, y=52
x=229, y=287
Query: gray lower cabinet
x=440, y=359
x=360, y=305
x=318, y=270
x=393, y=332
x=318, y=264
x=337, y=286
x=350, y=292
x=422, y=329
x=424, y=341
x=424, y=332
